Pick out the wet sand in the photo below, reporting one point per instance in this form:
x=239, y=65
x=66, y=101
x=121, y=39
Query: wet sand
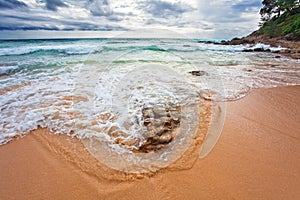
x=257, y=157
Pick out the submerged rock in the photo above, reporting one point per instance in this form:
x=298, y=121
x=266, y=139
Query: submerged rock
x=161, y=122
x=198, y=73
x=257, y=50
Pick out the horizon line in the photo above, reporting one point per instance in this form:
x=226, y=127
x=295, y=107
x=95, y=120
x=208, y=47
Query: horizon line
x=133, y=34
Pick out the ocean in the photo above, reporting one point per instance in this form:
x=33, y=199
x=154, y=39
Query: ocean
x=101, y=88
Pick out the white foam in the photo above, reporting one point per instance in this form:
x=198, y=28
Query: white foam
x=6, y=69
x=69, y=48
x=264, y=47
x=38, y=98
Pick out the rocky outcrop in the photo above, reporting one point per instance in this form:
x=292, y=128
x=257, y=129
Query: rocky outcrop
x=238, y=41
x=291, y=42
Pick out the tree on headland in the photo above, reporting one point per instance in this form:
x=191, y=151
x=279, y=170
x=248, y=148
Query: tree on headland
x=267, y=10
x=280, y=21
x=275, y=8
x=280, y=18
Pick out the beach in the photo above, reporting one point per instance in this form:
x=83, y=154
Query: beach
x=256, y=157
x=156, y=99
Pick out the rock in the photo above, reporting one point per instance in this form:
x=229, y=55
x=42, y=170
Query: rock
x=147, y=122
x=149, y=134
x=198, y=73
x=208, y=42
x=160, y=129
x=156, y=142
x=257, y=50
x=292, y=37
x=165, y=138
x=285, y=51
x=149, y=148
x=159, y=111
x=236, y=41
x=158, y=123
x=224, y=42
x=248, y=50
x=147, y=113
x=211, y=42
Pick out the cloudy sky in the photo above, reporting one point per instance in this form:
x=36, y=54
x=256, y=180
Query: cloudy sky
x=220, y=19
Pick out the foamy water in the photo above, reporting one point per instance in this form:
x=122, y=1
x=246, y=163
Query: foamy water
x=87, y=88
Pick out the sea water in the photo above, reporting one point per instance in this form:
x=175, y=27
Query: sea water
x=87, y=87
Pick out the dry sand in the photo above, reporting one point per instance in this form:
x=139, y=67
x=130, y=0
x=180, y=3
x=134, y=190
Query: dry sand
x=257, y=157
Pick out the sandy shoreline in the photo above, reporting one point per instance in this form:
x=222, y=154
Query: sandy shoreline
x=257, y=157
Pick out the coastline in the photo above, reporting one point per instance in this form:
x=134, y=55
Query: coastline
x=256, y=157
x=292, y=46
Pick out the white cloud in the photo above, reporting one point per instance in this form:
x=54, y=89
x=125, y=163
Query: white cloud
x=201, y=18
x=230, y=18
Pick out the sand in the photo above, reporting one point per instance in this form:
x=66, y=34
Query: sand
x=257, y=157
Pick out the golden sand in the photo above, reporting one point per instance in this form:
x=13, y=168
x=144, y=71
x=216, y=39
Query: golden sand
x=257, y=157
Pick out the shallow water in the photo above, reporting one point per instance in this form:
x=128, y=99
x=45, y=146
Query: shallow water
x=85, y=88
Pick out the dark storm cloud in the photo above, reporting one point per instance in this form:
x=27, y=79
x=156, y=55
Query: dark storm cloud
x=163, y=9
x=100, y=7
x=84, y=27
x=54, y=4
x=27, y=27
x=23, y=18
x=102, y=15
x=12, y=22
x=75, y=25
x=11, y=4
x=42, y=17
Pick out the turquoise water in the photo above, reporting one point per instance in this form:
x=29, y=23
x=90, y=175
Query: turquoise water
x=67, y=85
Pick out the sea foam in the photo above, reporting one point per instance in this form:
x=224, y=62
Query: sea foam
x=84, y=88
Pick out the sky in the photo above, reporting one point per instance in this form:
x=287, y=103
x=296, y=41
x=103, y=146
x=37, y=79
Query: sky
x=207, y=19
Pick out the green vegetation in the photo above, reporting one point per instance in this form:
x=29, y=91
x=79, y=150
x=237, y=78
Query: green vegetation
x=280, y=18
